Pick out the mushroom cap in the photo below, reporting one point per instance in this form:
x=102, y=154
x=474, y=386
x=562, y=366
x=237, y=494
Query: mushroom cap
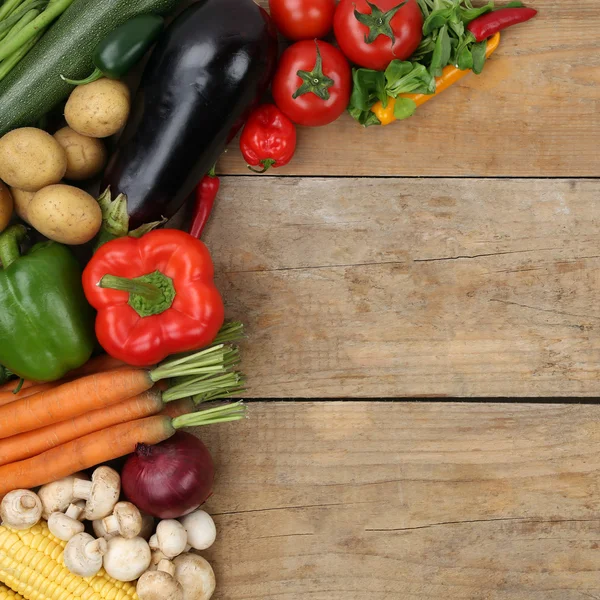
x=170, y=538
x=20, y=509
x=83, y=555
x=101, y=494
x=201, y=529
x=158, y=585
x=195, y=575
x=125, y=559
x=57, y=496
x=126, y=519
x=64, y=527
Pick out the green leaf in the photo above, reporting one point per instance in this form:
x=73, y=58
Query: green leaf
x=442, y=52
x=404, y=108
x=404, y=77
x=469, y=14
x=436, y=20
x=364, y=117
x=478, y=51
x=369, y=86
x=511, y=5
x=464, y=59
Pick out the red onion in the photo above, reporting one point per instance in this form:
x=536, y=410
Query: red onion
x=171, y=479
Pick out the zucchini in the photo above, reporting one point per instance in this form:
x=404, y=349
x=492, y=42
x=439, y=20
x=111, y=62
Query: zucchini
x=34, y=86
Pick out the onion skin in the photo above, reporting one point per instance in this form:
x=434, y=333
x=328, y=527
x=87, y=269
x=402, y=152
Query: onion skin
x=171, y=479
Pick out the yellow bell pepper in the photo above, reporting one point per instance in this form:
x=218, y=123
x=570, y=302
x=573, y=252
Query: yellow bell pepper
x=450, y=75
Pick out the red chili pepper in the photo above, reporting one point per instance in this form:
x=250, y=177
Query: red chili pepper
x=268, y=139
x=491, y=23
x=206, y=192
x=155, y=296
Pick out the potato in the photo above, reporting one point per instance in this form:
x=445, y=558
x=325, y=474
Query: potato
x=86, y=156
x=31, y=159
x=6, y=206
x=22, y=200
x=65, y=214
x=98, y=109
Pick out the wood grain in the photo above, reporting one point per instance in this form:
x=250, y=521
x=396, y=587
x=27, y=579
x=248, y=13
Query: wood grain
x=396, y=501
x=533, y=112
x=408, y=287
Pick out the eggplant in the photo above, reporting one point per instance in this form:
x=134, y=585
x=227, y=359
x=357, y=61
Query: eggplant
x=211, y=65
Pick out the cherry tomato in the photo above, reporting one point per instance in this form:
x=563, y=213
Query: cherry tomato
x=303, y=19
x=372, y=34
x=312, y=83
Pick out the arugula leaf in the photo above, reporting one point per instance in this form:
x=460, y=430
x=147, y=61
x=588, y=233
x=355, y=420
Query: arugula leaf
x=469, y=14
x=436, y=20
x=464, y=59
x=369, y=86
x=478, y=51
x=404, y=108
x=441, y=53
x=511, y=5
x=404, y=77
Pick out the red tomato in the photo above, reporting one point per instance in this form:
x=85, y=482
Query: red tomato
x=303, y=19
x=375, y=36
x=320, y=81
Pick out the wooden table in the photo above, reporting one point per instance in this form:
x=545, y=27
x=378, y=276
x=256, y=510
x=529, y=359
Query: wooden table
x=455, y=255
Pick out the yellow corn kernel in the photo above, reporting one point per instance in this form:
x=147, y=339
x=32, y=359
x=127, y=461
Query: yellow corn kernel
x=8, y=594
x=31, y=563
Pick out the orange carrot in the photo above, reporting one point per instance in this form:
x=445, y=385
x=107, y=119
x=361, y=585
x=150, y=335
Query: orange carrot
x=102, y=446
x=72, y=399
x=30, y=443
x=100, y=390
x=13, y=384
x=8, y=397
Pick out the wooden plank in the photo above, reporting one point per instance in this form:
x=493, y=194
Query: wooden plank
x=533, y=112
x=393, y=501
x=407, y=287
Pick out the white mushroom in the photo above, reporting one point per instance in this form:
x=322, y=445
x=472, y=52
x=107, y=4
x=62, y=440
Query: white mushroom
x=200, y=528
x=67, y=525
x=147, y=526
x=57, y=496
x=125, y=559
x=160, y=584
x=101, y=494
x=155, y=559
x=79, y=513
x=20, y=509
x=126, y=520
x=196, y=577
x=83, y=554
x=98, y=527
x=170, y=538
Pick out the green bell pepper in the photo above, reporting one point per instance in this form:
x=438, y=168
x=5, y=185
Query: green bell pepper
x=46, y=325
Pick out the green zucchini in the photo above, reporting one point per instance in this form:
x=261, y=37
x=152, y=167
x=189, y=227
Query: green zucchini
x=34, y=86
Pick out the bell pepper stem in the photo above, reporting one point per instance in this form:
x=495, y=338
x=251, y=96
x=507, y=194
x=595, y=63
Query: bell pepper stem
x=146, y=290
x=97, y=74
x=9, y=244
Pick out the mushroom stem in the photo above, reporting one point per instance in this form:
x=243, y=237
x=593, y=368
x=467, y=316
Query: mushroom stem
x=28, y=502
x=110, y=523
x=74, y=511
x=82, y=489
x=96, y=549
x=166, y=566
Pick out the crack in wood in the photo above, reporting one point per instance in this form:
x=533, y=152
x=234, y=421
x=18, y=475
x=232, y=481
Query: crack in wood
x=546, y=310
x=484, y=255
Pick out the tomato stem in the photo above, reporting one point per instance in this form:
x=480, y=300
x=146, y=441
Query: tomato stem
x=315, y=81
x=378, y=22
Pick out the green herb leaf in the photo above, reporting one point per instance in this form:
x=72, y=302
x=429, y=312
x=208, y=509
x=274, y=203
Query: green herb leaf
x=478, y=51
x=364, y=117
x=404, y=77
x=469, y=14
x=511, y=5
x=464, y=59
x=442, y=52
x=369, y=86
x=404, y=108
x=436, y=20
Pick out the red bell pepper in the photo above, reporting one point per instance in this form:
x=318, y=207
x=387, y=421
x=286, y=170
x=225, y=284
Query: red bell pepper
x=268, y=139
x=155, y=296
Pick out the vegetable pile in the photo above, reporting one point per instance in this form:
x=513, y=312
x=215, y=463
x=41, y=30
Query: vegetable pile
x=114, y=334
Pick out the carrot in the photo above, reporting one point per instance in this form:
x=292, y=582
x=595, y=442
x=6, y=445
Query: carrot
x=100, y=390
x=30, y=443
x=13, y=384
x=8, y=397
x=108, y=444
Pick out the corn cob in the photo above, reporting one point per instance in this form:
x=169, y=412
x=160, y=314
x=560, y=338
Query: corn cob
x=8, y=594
x=31, y=563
